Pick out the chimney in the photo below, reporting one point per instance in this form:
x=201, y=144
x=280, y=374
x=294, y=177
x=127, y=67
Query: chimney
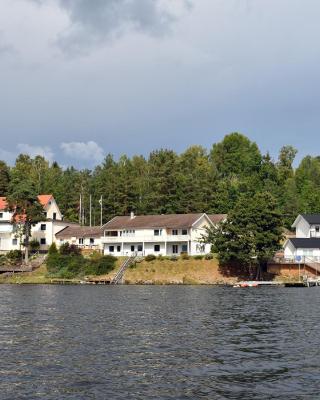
x=132, y=216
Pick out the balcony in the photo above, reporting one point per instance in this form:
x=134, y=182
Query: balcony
x=145, y=238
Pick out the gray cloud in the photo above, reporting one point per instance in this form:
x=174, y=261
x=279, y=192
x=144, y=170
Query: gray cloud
x=93, y=22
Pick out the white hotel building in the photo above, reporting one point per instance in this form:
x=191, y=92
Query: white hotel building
x=158, y=234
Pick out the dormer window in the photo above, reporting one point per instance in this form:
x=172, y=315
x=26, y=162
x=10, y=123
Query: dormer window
x=317, y=229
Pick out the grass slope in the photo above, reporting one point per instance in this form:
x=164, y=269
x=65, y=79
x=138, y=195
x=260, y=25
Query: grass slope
x=155, y=272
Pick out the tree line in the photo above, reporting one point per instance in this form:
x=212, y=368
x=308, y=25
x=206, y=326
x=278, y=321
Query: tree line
x=198, y=180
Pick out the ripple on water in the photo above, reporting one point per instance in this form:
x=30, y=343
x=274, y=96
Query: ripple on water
x=84, y=342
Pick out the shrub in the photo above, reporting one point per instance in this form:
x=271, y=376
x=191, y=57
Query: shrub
x=198, y=257
x=3, y=259
x=209, y=256
x=150, y=257
x=14, y=255
x=160, y=257
x=34, y=245
x=173, y=258
x=69, y=249
x=99, y=265
x=185, y=256
x=53, y=249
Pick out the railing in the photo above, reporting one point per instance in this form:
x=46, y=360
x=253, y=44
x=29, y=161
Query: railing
x=147, y=238
x=119, y=275
x=310, y=261
x=313, y=262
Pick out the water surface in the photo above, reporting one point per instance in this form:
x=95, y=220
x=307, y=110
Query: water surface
x=159, y=342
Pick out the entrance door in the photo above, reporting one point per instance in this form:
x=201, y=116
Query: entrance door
x=175, y=249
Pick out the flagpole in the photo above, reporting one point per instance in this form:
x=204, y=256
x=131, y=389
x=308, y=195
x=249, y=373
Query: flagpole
x=80, y=210
x=90, y=210
x=100, y=211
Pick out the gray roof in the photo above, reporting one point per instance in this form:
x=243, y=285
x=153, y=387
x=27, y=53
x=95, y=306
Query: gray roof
x=312, y=218
x=79, y=231
x=153, y=221
x=305, y=243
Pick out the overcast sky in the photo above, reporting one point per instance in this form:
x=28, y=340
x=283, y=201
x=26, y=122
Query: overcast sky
x=82, y=78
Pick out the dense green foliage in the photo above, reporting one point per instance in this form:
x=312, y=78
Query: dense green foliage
x=251, y=234
x=69, y=263
x=195, y=181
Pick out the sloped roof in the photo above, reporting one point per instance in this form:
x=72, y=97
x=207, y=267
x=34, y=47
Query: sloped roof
x=79, y=231
x=44, y=199
x=305, y=243
x=312, y=218
x=153, y=221
x=216, y=218
x=3, y=203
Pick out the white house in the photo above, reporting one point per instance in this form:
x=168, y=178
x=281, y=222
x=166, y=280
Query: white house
x=44, y=231
x=84, y=237
x=307, y=240
x=158, y=234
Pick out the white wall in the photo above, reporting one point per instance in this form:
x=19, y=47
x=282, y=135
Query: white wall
x=302, y=229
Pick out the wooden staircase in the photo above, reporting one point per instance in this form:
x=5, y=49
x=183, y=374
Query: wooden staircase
x=311, y=263
x=119, y=275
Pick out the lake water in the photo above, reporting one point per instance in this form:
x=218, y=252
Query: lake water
x=153, y=342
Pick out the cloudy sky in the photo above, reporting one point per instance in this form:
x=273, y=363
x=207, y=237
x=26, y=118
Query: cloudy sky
x=82, y=78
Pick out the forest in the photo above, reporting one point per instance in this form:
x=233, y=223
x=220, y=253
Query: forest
x=198, y=180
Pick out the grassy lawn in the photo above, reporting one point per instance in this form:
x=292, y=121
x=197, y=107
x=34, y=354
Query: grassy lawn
x=176, y=272
x=37, y=276
x=154, y=272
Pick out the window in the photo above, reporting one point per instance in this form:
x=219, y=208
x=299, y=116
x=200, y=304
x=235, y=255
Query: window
x=184, y=231
x=1, y=215
x=140, y=247
x=175, y=231
x=80, y=240
x=175, y=249
x=14, y=242
x=118, y=249
x=184, y=248
x=54, y=216
x=112, y=233
x=43, y=227
x=317, y=229
x=91, y=240
x=45, y=215
x=157, y=248
x=157, y=232
x=43, y=241
x=132, y=248
x=111, y=249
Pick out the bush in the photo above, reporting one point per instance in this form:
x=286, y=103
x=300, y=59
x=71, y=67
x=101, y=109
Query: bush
x=185, y=256
x=34, y=245
x=198, y=257
x=69, y=249
x=209, y=256
x=53, y=249
x=14, y=255
x=173, y=258
x=100, y=265
x=150, y=257
x=3, y=259
x=71, y=265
